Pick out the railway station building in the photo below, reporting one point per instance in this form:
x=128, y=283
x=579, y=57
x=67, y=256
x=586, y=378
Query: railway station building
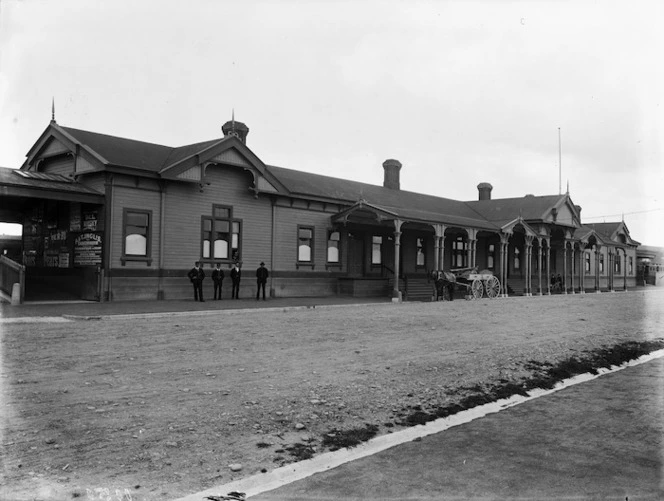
x=107, y=218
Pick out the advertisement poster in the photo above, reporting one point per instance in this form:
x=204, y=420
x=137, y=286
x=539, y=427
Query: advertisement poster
x=87, y=249
x=75, y=218
x=63, y=259
x=51, y=259
x=89, y=220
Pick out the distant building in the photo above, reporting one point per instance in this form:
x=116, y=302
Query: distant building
x=650, y=265
x=108, y=218
x=11, y=246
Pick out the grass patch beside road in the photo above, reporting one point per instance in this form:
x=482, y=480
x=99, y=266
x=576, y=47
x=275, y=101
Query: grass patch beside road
x=544, y=375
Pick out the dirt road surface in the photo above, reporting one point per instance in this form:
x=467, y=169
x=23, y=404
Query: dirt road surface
x=158, y=407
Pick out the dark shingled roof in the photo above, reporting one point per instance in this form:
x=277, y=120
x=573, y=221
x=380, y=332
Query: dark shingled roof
x=605, y=229
x=487, y=214
x=136, y=154
x=503, y=210
x=406, y=204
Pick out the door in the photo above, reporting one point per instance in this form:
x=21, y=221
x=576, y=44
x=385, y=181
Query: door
x=90, y=283
x=356, y=256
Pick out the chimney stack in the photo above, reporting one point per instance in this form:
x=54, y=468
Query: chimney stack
x=392, y=168
x=485, y=191
x=578, y=209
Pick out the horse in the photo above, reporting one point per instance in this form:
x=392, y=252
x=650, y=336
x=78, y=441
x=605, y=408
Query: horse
x=444, y=282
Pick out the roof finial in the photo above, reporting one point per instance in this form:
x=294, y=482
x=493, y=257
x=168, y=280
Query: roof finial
x=567, y=188
x=53, y=109
x=233, y=119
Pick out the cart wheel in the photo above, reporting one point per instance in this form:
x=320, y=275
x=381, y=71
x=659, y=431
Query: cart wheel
x=492, y=287
x=477, y=288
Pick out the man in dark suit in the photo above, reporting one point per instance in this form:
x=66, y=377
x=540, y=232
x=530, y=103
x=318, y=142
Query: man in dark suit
x=218, y=279
x=261, y=280
x=196, y=276
x=236, y=274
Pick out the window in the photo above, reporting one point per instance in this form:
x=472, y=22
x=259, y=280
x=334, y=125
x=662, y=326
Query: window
x=616, y=264
x=333, y=247
x=631, y=265
x=220, y=235
x=420, y=261
x=587, y=267
x=601, y=263
x=491, y=257
x=136, y=230
x=377, y=250
x=305, y=244
x=517, y=258
x=459, y=254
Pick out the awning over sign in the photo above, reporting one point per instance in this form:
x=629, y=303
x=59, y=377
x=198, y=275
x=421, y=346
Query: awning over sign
x=16, y=183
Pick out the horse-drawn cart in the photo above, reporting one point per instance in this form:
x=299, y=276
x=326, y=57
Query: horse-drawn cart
x=476, y=284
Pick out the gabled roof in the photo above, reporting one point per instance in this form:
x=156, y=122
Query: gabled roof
x=178, y=154
x=405, y=204
x=164, y=161
x=188, y=163
x=610, y=233
x=502, y=211
x=123, y=152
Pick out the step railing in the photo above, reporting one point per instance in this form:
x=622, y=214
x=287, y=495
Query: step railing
x=12, y=273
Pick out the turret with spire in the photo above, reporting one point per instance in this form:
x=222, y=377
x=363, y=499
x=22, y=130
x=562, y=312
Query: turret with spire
x=237, y=129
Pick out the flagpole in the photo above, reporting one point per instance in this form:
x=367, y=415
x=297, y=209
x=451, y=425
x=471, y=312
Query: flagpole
x=560, y=167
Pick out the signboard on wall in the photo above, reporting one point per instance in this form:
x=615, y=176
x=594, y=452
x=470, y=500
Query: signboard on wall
x=63, y=259
x=75, y=217
x=87, y=249
x=90, y=220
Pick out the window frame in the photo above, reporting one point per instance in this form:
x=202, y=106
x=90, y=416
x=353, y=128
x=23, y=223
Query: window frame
x=331, y=232
x=460, y=252
x=147, y=258
x=420, y=250
x=234, y=253
x=516, y=263
x=379, y=243
x=312, y=255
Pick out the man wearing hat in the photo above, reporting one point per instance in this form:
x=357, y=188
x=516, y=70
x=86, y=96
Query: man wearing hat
x=261, y=280
x=196, y=276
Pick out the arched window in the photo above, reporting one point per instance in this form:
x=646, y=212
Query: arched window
x=333, y=247
x=137, y=235
x=305, y=239
x=220, y=235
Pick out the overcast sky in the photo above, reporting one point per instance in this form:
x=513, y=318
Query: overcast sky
x=459, y=92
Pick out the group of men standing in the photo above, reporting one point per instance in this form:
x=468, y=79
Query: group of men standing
x=197, y=275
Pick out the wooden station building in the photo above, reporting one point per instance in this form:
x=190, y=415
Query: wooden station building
x=107, y=218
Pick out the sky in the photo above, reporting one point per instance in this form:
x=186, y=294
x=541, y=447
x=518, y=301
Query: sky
x=530, y=96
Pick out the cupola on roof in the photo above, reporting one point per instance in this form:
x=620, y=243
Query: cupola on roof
x=235, y=128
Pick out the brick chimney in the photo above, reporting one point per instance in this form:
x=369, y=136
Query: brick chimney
x=485, y=191
x=578, y=209
x=392, y=168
